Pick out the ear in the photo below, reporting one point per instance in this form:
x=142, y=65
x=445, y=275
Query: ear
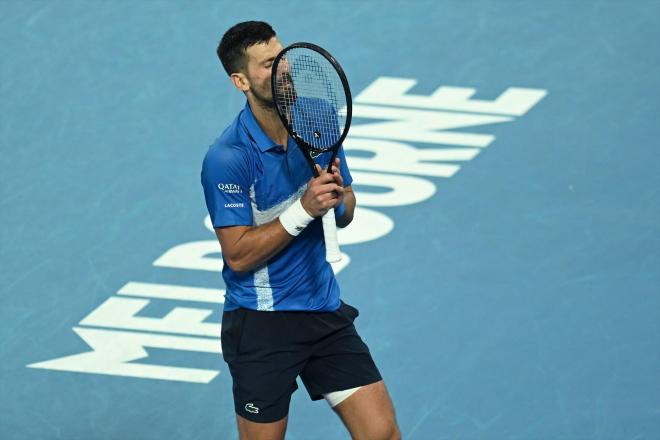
x=240, y=81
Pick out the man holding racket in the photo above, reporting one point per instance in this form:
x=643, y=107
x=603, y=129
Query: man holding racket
x=282, y=315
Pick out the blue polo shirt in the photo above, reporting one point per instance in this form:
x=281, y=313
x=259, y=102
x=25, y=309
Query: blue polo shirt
x=250, y=180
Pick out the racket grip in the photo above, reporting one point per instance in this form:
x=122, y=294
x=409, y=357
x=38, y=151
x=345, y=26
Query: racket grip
x=332, y=254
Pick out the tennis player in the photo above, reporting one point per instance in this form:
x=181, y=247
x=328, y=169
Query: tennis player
x=283, y=317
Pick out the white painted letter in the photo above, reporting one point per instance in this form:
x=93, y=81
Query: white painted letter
x=423, y=125
x=120, y=313
x=173, y=292
x=514, y=101
x=405, y=190
x=397, y=157
x=112, y=352
x=193, y=255
x=367, y=225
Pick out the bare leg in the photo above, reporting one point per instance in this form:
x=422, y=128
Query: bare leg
x=261, y=431
x=369, y=414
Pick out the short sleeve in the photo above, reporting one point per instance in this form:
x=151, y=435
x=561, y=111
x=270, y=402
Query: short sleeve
x=226, y=178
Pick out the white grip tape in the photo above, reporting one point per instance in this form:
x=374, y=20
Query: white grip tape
x=294, y=219
x=332, y=254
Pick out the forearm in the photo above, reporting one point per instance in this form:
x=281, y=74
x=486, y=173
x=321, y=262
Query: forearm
x=349, y=208
x=254, y=246
x=245, y=248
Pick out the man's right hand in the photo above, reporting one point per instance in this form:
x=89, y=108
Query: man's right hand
x=322, y=193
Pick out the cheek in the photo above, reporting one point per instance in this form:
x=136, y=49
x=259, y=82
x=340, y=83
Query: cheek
x=266, y=76
x=265, y=83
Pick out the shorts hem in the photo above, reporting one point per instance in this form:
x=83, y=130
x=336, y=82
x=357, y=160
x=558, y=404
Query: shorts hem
x=259, y=418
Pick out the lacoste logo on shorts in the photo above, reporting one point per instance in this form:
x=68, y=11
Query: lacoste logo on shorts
x=251, y=408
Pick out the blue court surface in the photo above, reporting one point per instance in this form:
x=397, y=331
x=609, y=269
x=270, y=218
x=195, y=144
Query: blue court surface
x=505, y=254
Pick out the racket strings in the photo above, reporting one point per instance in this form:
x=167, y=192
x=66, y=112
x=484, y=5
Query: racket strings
x=311, y=94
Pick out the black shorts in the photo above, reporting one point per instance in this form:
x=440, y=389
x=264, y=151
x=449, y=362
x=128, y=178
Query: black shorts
x=267, y=351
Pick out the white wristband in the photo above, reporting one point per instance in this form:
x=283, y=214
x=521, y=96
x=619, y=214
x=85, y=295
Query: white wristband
x=295, y=218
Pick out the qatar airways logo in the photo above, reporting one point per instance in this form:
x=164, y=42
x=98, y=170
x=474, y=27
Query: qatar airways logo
x=230, y=188
x=404, y=146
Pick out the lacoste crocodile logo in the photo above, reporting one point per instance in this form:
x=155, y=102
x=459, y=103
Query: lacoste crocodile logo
x=251, y=408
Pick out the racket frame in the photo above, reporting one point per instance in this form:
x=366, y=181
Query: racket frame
x=333, y=254
x=307, y=148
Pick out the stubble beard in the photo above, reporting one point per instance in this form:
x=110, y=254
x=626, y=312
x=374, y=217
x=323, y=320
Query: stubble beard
x=263, y=101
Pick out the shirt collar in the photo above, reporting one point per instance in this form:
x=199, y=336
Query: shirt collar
x=262, y=140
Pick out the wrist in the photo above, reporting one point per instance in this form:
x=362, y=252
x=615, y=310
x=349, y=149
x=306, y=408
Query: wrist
x=294, y=219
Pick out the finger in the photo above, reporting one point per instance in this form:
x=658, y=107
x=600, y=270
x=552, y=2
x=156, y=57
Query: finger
x=339, y=180
x=327, y=188
x=327, y=196
x=330, y=186
x=327, y=201
x=325, y=179
x=336, y=164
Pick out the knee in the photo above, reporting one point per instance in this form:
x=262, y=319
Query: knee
x=395, y=433
x=384, y=431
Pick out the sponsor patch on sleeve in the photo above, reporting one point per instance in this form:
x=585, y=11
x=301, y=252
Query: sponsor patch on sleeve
x=230, y=188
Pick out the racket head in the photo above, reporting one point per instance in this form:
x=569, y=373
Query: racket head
x=312, y=97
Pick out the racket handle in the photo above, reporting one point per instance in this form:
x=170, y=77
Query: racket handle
x=332, y=254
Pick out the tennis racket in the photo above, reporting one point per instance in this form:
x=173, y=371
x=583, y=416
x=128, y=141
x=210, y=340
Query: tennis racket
x=313, y=100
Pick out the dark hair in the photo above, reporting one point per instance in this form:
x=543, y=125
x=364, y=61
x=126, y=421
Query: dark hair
x=237, y=39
